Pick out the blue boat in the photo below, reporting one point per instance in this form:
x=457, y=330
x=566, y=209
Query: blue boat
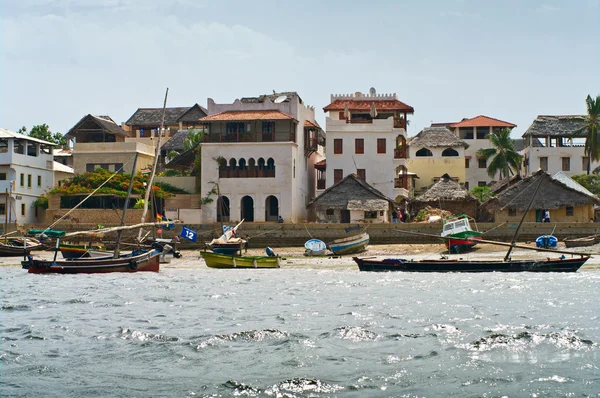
x=351, y=244
x=546, y=241
x=315, y=247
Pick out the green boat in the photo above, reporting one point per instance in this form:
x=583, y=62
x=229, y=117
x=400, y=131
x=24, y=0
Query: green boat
x=214, y=260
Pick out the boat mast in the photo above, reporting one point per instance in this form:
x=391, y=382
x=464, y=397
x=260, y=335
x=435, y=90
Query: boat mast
x=118, y=243
x=514, y=239
x=156, y=154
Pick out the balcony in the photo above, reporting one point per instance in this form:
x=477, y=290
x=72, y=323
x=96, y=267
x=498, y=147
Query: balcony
x=399, y=123
x=400, y=153
x=401, y=182
x=228, y=172
x=250, y=137
x=321, y=184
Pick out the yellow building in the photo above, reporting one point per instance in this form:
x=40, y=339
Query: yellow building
x=433, y=152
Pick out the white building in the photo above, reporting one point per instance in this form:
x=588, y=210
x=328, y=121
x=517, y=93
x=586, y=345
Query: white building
x=366, y=135
x=556, y=143
x=261, y=151
x=474, y=133
x=26, y=172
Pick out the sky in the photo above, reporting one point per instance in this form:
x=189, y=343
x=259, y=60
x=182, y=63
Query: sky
x=448, y=59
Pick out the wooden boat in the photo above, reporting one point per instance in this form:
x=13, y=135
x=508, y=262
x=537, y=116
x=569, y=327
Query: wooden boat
x=70, y=251
x=228, y=243
x=560, y=264
x=214, y=260
x=458, y=234
x=349, y=245
x=18, y=246
x=137, y=261
x=581, y=242
x=315, y=247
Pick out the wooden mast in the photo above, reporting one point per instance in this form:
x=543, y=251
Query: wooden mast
x=118, y=241
x=156, y=154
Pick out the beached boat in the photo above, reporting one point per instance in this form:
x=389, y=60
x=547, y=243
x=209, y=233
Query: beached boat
x=581, y=242
x=228, y=243
x=350, y=245
x=70, y=251
x=18, y=246
x=315, y=247
x=138, y=260
x=458, y=235
x=214, y=260
x=560, y=264
x=546, y=241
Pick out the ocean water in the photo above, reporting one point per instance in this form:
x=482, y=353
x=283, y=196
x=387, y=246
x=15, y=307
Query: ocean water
x=299, y=332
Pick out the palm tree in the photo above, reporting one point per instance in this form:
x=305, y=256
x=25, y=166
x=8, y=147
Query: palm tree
x=592, y=128
x=505, y=159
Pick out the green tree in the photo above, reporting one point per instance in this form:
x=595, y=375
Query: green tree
x=42, y=132
x=505, y=159
x=482, y=194
x=592, y=128
x=192, y=139
x=591, y=182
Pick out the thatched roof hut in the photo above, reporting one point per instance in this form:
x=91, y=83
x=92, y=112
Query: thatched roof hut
x=449, y=195
x=431, y=137
x=352, y=194
x=552, y=194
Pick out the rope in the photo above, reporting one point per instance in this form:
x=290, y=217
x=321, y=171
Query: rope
x=87, y=197
x=307, y=231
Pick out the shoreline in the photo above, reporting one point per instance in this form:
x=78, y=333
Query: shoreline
x=293, y=257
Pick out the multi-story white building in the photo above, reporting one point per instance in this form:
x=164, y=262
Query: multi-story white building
x=474, y=133
x=261, y=152
x=26, y=172
x=366, y=135
x=556, y=143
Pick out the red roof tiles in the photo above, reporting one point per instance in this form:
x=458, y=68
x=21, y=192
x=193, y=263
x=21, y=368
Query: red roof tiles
x=308, y=123
x=365, y=105
x=483, y=121
x=247, y=115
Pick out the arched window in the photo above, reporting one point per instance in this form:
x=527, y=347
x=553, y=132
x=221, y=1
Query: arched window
x=242, y=164
x=270, y=164
x=251, y=163
x=232, y=163
x=424, y=152
x=261, y=164
x=449, y=152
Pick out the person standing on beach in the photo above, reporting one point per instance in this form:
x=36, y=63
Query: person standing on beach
x=546, y=216
x=394, y=216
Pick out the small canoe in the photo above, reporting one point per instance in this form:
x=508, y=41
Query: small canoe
x=351, y=244
x=580, y=242
x=16, y=247
x=214, y=260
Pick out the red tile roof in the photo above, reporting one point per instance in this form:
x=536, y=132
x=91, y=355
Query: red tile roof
x=482, y=121
x=365, y=105
x=247, y=115
x=308, y=123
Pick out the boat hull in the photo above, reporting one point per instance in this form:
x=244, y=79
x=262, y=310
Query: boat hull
x=14, y=247
x=350, y=245
x=395, y=264
x=214, y=260
x=460, y=244
x=226, y=248
x=581, y=242
x=144, y=262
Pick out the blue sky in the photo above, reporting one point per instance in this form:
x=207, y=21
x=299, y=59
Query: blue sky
x=512, y=60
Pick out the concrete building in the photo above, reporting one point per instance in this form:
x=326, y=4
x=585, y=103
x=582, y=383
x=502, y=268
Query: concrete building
x=474, y=132
x=556, y=143
x=26, y=173
x=433, y=152
x=98, y=142
x=366, y=135
x=260, y=152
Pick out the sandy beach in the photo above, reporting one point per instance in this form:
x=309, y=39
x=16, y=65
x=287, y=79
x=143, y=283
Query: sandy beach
x=294, y=256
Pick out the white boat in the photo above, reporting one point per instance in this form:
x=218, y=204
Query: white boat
x=315, y=247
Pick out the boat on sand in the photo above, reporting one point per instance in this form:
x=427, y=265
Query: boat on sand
x=214, y=260
x=350, y=244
